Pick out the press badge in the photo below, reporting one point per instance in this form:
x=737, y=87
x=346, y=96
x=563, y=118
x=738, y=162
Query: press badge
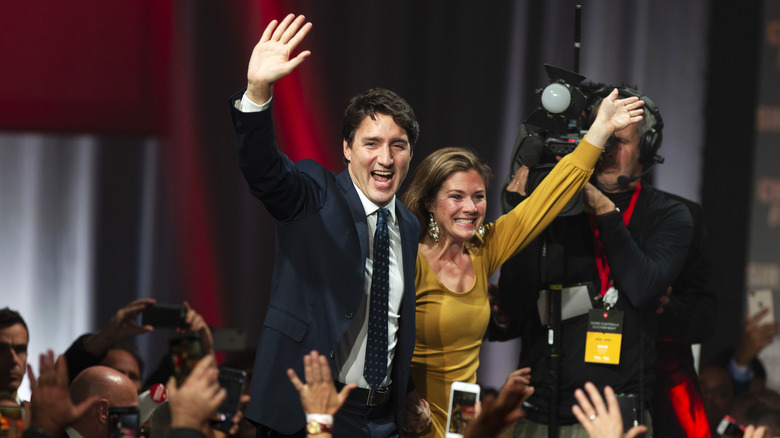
x=605, y=334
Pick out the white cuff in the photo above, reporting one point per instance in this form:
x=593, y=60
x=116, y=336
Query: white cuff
x=245, y=105
x=324, y=419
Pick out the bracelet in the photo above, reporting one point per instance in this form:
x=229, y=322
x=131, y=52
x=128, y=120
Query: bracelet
x=324, y=419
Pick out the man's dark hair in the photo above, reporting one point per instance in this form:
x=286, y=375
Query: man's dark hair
x=10, y=317
x=379, y=101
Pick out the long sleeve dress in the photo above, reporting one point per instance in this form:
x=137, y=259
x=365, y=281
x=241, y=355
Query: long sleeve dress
x=450, y=326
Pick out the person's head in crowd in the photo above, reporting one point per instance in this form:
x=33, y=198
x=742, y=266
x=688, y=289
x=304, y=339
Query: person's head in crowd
x=14, y=337
x=379, y=133
x=114, y=390
x=442, y=180
x=760, y=407
x=632, y=149
x=125, y=359
x=717, y=392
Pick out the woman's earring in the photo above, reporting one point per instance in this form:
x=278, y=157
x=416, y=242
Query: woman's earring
x=481, y=231
x=433, y=228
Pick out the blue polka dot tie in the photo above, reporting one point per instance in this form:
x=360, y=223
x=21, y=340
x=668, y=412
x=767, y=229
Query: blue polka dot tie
x=375, y=367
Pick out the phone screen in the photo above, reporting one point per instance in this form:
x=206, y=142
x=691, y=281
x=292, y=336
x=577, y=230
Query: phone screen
x=11, y=421
x=760, y=299
x=233, y=381
x=186, y=351
x=164, y=315
x=462, y=410
x=123, y=422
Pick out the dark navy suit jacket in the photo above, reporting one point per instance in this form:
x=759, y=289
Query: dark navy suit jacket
x=319, y=268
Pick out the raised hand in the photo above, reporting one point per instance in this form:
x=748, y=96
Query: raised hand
x=614, y=114
x=272, y=57
x=51, y=405
x=121, y=326
x=318, y=394
x=601, y=420
x=754, y=337
x=195, y=403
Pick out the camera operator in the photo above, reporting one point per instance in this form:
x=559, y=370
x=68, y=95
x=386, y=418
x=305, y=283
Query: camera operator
x=615, y=260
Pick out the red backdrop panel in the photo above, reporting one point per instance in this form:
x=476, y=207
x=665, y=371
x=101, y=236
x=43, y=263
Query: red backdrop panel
x=89, y=66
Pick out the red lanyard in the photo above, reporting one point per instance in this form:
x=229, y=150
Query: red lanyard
x=601, y=257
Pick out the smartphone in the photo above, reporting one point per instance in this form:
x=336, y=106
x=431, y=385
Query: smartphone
x=729, y=427
x=629, y=410
x=11, y=421
x=232, y=380
x=462, y=409
x=123, y=422
x=164, y=315
x=186, y=350
x=758, y=300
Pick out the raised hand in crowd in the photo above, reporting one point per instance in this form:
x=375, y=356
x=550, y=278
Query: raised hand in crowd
x=195, y=323
x=120, y=327
x=51, y=405
x=318, y=393
x=506, y=409
x=195, y=402
x=601, y=420
x=755, y=336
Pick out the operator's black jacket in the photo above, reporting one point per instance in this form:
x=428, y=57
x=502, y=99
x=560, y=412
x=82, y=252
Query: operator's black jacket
x=644, y=259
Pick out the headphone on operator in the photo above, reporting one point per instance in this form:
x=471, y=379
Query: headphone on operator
x=650, y=141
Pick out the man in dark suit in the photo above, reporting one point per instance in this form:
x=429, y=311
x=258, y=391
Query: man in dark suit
x=322, y=294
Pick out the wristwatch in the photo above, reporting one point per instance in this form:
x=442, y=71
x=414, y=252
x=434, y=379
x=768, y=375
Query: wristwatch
x=313, y=427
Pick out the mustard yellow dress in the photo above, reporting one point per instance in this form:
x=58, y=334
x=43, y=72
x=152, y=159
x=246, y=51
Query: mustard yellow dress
x=450, y=326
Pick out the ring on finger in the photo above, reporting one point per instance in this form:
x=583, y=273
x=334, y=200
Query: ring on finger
x=592, y=417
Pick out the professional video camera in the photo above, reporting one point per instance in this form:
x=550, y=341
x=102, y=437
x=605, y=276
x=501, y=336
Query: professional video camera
x=553, y=130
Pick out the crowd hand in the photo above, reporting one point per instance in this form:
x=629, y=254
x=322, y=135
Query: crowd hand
x=506, y=410
x=613, y=115
x=50, y=402
x=417, y=413
x=318, y=394
x=754, y=338
x=663, y=301
x=595, y=201
x=598, y=419
x=121, y=326
x=272, y=58
x=218, y=433
x=195, y=323
x=499, y=315
x=754, y=432
x=195, y=403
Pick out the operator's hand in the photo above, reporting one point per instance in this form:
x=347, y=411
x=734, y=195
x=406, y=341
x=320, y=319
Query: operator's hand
x=595, y=201
x=272, y=57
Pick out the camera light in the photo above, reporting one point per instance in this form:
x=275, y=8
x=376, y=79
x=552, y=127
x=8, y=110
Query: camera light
x=556, y=98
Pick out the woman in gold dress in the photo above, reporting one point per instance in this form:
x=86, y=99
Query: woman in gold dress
x=458, y=252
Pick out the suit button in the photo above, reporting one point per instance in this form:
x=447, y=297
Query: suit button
x=348, y=315
x=332, y=354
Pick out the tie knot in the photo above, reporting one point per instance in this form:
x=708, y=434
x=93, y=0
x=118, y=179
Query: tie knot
x=382, y=216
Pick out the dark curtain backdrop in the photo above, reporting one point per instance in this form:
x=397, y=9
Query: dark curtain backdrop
x=169, y=214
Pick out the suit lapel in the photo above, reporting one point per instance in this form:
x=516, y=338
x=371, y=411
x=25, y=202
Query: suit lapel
x=348, y=189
